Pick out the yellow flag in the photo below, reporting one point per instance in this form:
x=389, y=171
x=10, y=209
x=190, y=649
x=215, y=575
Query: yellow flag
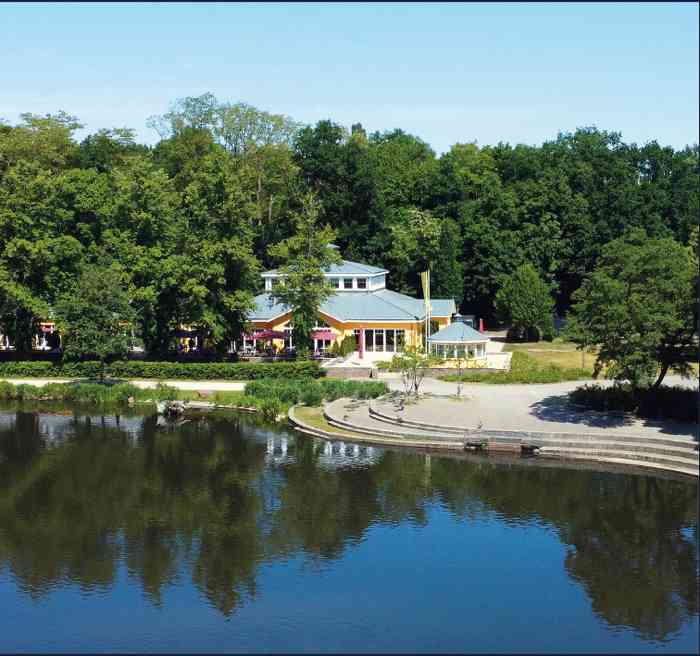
x=425, y=284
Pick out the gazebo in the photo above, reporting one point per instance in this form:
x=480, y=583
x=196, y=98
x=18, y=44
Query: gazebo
x=458, y=341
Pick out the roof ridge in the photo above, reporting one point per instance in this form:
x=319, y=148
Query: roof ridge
x=395, y=305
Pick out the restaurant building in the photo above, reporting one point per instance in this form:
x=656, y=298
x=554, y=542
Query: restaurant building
x=382, y=321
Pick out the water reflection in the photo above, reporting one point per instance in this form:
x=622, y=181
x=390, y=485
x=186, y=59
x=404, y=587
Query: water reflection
x=212, y=501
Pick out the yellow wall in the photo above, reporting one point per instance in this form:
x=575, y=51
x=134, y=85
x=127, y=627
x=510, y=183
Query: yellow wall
x=343, y=329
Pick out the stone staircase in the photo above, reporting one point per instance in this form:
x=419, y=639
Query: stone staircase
x=664, y=452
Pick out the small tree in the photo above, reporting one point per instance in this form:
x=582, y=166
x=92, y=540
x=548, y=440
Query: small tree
x=639, y=305
x=305, y=256
x=413, y=365
x=95, y=318
x=525, y=300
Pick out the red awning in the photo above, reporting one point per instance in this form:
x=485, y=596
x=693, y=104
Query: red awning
x=268, y=334
x=322, y=333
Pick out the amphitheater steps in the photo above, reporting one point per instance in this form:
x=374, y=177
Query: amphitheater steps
x=667, y=452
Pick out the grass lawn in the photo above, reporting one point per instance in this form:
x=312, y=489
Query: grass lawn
x=314, y=418
x=558, y=352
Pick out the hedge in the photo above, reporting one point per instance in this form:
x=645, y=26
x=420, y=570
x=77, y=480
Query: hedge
x=676, y=403
x=163, y=370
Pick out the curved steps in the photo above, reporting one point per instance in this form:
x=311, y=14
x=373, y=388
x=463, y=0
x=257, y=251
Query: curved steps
x=672, y=453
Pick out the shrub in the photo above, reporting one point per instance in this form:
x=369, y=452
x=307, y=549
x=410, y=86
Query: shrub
x=312, y=395
x=172, y=370
x=676, y=403
x=310, y=391
x=270, y=409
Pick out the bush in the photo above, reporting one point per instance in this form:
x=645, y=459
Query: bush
x=270, y=409
x=312, y=396
x=524, y=369
x=676, y=403
x=312, y=392
x=172, y=370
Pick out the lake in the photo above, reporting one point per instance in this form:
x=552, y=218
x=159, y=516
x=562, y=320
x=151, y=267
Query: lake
x=223, y=533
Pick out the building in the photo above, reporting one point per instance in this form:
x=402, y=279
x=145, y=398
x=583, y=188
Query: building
x=459, y=341
x=382, y=321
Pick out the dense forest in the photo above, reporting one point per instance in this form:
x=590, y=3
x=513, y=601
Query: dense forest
x=188, y=221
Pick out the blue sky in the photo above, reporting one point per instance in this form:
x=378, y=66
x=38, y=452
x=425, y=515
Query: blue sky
x=445, y=72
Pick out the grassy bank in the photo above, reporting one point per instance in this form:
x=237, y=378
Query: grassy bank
x=271, y=396
x=524, y=369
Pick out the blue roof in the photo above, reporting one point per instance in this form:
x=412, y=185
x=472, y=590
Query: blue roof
x=345, y=268
x=380, y=305
x=457, y=332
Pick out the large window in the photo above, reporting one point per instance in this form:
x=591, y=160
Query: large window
x=362, y=283
x=389, y=341
x=335, y=283
x=379, y=340
x=383, y=341
x=347, y=283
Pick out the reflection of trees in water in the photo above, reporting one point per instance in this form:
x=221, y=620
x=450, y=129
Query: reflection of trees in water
x=200, y=499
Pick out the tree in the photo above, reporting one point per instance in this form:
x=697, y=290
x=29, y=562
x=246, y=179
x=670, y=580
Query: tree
x=413, y=364
x=95, y=318
x=525, y=300
x=639, y=306
x=305, y=255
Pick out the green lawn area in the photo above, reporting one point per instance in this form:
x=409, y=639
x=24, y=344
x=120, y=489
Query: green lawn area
x=558, y=352
x=314, y=418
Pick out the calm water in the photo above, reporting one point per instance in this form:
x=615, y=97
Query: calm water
x=223, y=534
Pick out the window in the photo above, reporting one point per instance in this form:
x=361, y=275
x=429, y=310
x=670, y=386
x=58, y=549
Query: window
x=274, y=283
x=362, y=283
x=389, y=341
x=379, y=341
x=369, y=340
x=400, y=340
x=347, y=283
x=335, y=282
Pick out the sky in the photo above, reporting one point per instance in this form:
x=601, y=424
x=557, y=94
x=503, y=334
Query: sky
x=445, y=72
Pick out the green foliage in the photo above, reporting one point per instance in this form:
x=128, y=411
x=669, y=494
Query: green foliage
x=163, y=370
x=640, y=307
x=675, y=403
x=413, y=365
x=88, y=393
x=270, y=409
x=524, y=369
x=95, y=317
x=525, y=301
x=190, y=221
x=312, y=392
x=304, y=256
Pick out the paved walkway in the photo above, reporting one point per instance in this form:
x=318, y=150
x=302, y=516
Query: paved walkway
x=526, y=410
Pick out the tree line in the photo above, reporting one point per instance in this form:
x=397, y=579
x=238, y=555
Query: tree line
x=185, y=225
